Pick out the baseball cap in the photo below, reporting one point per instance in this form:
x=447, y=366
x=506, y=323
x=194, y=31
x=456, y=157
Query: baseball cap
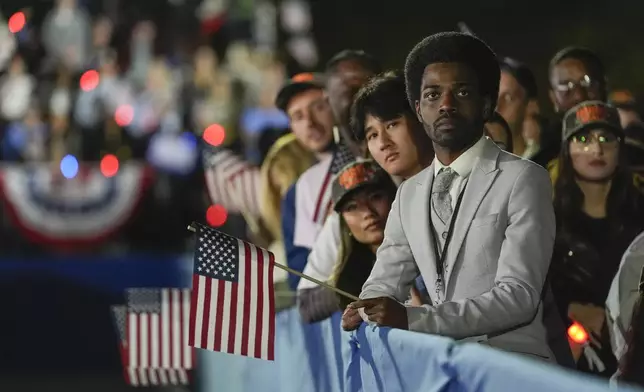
x=589, y=115
x=356, y=176
x=622, y=99
x=298, y=84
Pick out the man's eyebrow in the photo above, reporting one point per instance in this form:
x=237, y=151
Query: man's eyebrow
x=457, y=84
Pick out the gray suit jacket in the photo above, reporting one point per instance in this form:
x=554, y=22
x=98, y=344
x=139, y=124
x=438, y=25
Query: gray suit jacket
x=497, y=260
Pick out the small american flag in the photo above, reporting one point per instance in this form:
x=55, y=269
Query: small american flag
x=156, y=333
x=232, y=182
x=233, y=304
x=342, y=156
x=119, y=315
x=140, y=376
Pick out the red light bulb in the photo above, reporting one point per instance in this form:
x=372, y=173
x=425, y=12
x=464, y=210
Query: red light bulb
x=109, y=165
x=214, y=135
x=216, y=215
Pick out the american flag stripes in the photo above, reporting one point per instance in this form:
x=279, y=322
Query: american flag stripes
x=157, y=328
x=153, y=336
x=233, y=304
x=233, y=183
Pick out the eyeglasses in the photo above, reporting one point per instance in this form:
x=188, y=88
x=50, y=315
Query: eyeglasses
x=604, y=139
x=585, y=83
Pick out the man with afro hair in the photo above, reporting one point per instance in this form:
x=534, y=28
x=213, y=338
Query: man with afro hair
x=478, y=224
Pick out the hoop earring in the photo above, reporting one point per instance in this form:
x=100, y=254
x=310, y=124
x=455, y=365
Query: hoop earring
x=336, y=134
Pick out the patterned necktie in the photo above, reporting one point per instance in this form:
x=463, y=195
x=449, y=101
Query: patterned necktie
x=441, y=198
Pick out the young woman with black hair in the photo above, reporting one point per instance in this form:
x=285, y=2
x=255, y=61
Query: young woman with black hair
x=599, y=213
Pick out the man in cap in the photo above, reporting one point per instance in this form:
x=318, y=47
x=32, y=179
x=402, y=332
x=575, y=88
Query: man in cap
x=483, y=240
x=228, y=175
x=309, y=200
x=626, y=106
x=303, y=100
x=311, y=119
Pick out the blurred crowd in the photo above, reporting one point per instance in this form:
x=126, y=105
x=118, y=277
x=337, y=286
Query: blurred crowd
x=74, y=98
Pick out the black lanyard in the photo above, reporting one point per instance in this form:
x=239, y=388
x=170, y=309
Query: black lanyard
x=440, y=256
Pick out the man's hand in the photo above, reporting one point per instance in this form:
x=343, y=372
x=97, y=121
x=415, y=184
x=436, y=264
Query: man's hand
x=351, y=319
x=383, y=311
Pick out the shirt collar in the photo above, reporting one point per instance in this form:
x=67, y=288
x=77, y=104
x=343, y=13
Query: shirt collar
x=464, y=164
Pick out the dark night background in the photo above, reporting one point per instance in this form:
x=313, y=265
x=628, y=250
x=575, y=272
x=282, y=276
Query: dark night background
x=527, y=30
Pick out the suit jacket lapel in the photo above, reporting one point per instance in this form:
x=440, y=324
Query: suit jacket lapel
x=422, y=232
x=483, y=174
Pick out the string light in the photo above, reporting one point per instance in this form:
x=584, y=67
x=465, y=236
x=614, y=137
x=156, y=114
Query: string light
x=16, y=22
x=214, y=135
x=69, y=166
x=124, y=115
x=216, y=215
x=89, y=80
x=109, y=165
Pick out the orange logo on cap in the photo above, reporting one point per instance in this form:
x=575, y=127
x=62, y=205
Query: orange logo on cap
x=355, y=175
x=622, y=96
x=302, y=77
x=588, y=114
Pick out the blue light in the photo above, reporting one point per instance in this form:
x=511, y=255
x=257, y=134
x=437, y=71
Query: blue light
x=189, y=139
x=69, y=166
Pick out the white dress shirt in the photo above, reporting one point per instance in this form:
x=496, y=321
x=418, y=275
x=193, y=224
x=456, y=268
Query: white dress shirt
x=463, y=166
x=313, y=190
x=324, y=254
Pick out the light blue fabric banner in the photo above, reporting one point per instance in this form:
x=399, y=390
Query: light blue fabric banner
x=322, y=357
x=307, y=358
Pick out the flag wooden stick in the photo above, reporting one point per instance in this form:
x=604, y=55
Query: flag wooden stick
x=303, y=276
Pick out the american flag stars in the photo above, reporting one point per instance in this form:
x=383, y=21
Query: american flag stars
x=217, y=258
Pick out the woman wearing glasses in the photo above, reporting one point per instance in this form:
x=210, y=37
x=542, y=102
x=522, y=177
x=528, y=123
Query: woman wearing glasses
x=598, y=213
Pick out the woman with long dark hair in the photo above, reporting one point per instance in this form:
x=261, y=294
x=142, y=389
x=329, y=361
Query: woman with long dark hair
x=599, y=213
x=362, y=193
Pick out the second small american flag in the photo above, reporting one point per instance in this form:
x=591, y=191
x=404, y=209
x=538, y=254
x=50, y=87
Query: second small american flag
x=232, y=308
